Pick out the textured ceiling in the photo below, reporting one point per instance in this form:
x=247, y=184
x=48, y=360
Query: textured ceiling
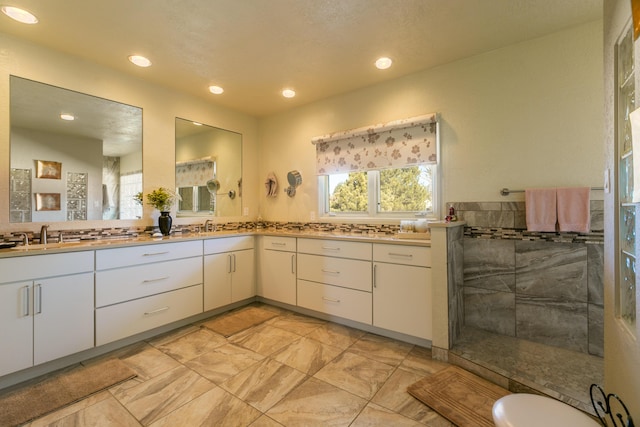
x=255, y=48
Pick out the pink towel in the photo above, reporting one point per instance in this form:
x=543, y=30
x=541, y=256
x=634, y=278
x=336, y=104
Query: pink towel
x=573, y=209
x=540, y=204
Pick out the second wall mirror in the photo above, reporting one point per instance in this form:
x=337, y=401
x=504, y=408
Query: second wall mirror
x=208, y=170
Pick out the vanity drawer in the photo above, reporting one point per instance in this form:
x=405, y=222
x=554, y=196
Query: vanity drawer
x=335, y=248
x=123, y=320
x=50, y=265
x=348, y=273
x=286, y=244
x=124, y=257
x=123, y=284
x=346, y=303
x=227, y=244
x=419, y=256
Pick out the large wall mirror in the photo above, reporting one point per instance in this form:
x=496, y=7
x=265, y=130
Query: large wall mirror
x=73, y=156
x=208, y=170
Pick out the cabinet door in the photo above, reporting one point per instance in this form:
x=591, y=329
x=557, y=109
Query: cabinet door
x=217, y=280
x=63, y=316
x=16, y=327
x=243, y=275
x=402, y=299
x=278, y=271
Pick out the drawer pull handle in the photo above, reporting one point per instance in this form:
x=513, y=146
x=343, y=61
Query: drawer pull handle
x=330, y=248
x=155, y=253
x=155, y=280
x=27, y=301
x=400, y=255
x=331, y=299
x=37, y=299
x=278, y=244
x=160, y=310
x=330, y=271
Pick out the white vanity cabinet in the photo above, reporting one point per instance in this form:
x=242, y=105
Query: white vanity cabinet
x=278, y=269
x=139, y=288
x=334, y=277
x=402, y=289
x=229, y=270
x=46, y=308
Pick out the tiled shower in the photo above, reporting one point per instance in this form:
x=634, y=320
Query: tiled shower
x=542, y=287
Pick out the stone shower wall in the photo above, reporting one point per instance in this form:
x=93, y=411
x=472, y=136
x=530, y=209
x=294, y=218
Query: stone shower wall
x=543, y=287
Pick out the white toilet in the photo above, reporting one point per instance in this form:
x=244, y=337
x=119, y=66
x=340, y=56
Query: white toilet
x=530, y=410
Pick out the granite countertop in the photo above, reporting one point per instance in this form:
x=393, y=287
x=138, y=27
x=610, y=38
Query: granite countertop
x=108, y=243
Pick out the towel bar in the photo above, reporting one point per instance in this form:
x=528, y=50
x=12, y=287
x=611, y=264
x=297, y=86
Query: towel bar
x=506, y=191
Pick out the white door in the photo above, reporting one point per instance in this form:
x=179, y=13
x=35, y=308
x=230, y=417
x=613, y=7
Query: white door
x=63, y=316
x=16, y=327
x=217, y=280
x=243, y=275
x=279, y=276
x=402, y=299
x=622, y=217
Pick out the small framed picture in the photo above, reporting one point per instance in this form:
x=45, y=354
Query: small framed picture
x=48, y=170
x=47, y=201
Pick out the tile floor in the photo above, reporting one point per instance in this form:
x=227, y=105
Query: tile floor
x=291, y=370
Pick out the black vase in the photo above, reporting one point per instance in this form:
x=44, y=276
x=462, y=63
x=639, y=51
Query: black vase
x=164, y=223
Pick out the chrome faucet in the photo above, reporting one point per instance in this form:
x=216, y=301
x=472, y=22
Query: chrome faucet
x=25, y=239
x=209, y=226
x=43, y=234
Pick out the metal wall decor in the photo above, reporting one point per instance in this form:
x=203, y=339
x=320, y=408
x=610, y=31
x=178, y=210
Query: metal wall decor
x=47, y=201
x=610, y=407
x=295, y=179
x=48, y=170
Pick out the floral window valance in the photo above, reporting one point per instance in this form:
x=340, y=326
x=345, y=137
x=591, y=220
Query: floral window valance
x=195, y=172
x=401, y=143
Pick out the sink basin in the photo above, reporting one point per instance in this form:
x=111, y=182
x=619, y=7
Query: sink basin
x=43, y=246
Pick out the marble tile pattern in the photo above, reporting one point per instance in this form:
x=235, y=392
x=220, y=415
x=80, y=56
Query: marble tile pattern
x=455, y=281
x=292, y=370
x=542, y=291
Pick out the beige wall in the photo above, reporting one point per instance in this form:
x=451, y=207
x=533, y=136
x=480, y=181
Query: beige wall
x=524, y=116
x=160, y=108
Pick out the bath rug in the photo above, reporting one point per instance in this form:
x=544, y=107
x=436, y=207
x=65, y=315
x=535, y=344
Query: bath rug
x=23, y=405
x=232, y=323
x=461, y=397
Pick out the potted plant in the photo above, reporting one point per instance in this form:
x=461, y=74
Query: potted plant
x=163, y=200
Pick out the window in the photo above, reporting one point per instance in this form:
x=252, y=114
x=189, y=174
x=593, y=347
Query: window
x=387, y=170
x=388, y=192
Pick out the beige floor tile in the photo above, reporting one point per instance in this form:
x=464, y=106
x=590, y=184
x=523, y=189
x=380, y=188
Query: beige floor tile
x=190, y=346
x=419, y=361
x=224, y=362
x=301, y=325
x=264, y=384
x=393, y=396
x=382, y=349
x=173, y=335
x=316, y=403
x=356, y=374
x=307, y=355
x=373, y=416
x=107, y=412
x=336, y=335
x=264, y=339
x=149, y=362
x=214, y=408
x=157, y=397
x=265, y=421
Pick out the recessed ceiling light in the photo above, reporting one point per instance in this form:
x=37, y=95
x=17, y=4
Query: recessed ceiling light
x=68, y=117
x=383, y=63
x=19, y=15
x=288, y=93
x=216, y=90
x=196, y=124
x=140, y=61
